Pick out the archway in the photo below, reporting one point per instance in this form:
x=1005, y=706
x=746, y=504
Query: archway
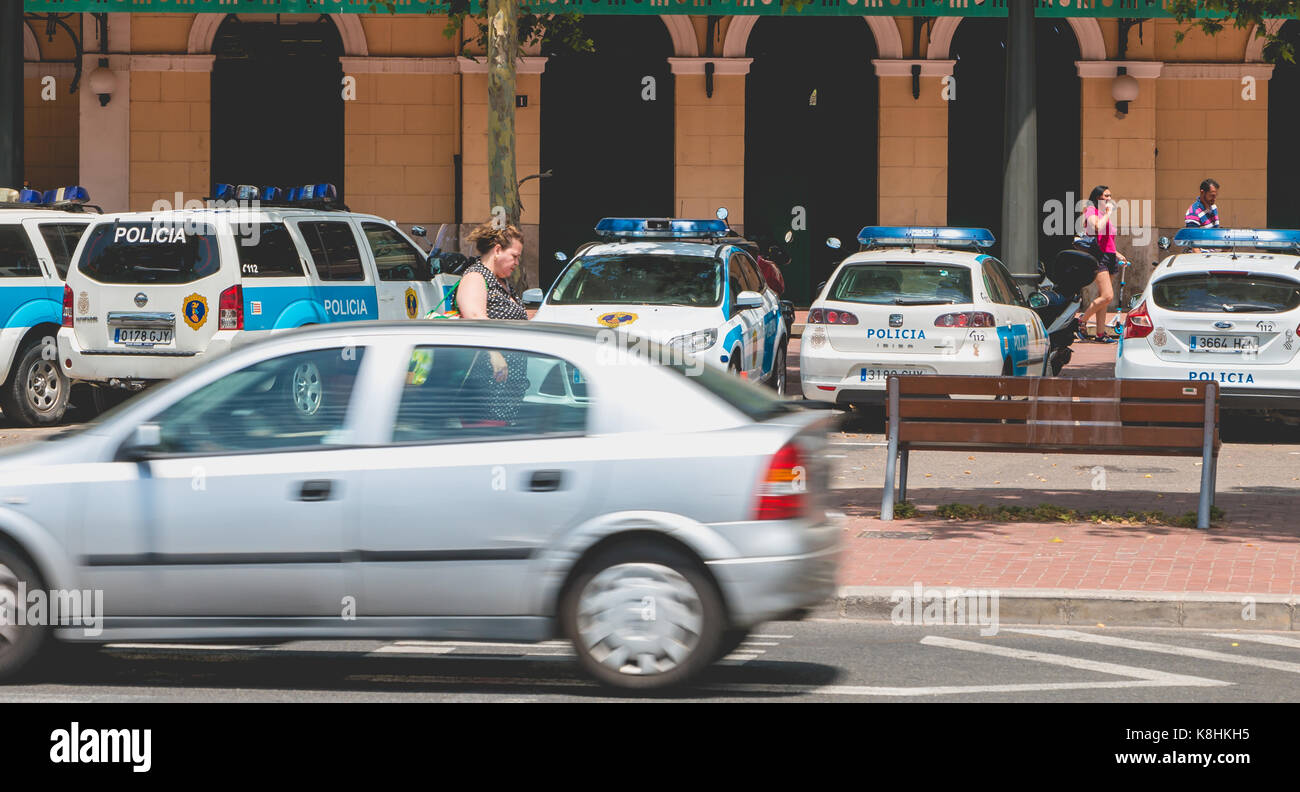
x=1283, y=118
x=606, y=139
x=277, y=105
x=810, y=139
x=976, y=125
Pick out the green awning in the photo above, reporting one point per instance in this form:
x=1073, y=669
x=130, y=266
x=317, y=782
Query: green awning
x=964, y=8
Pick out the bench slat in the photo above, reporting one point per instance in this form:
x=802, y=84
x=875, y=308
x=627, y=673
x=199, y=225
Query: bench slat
x=1176, y=390
x=1033, y=437
x=911, y=409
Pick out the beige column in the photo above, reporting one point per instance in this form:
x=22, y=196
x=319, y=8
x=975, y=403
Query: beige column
x=709, y=141
x=170, y=129
x=913, y=142
x=104, y=145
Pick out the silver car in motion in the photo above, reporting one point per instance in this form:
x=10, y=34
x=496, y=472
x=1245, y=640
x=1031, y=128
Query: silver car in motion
x=469, y=480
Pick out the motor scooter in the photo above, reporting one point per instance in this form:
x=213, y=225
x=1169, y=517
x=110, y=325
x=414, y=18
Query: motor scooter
x=1058, y=300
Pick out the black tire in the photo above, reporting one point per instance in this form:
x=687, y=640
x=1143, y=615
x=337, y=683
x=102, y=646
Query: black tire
x=36, y=393
x=733, y=365
x=623, y=566
x=18, y=645
x=103, y=398
x=731, y=641
x=777, y=381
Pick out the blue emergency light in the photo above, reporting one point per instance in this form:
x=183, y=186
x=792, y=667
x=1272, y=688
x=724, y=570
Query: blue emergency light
x=1260, y=238
x=30, y=196
x=660, y=228
x=249, y=192
x=72, y=194
x=930, y=236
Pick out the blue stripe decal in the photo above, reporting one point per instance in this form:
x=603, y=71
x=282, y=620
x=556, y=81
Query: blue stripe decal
x=771, y=323
x=735, y=334
x=280, y=307
x=1014, y=344
x=27, y=306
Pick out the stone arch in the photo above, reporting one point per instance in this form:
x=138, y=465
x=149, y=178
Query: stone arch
x=889, y=42
x=1255, y=47
x=204, y=31
x=31, y=51
x=682, y=32
x=1087, y=31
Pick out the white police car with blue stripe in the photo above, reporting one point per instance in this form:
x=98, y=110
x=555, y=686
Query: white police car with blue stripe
x=681, y=283
x=916, y=300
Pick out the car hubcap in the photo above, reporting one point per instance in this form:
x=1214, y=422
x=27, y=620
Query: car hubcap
x=43, y=386
x=640, y=618
x=307, y=388
x=780, y=375
x=10, y=632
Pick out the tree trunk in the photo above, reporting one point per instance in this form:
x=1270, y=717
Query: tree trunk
x=503, y=44
x=11, y=95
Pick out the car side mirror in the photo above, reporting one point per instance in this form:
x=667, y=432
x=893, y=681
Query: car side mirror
x=1038, y=300
x=560, y=257
x=1155, y=264
x=749, y=299
x=532, y=297
x=821, y=286
x=419, y=231
x=144, y=442
x=1163, y=243
x=722, y=213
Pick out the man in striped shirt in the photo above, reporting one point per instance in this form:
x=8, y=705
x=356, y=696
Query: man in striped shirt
x=1204, y=212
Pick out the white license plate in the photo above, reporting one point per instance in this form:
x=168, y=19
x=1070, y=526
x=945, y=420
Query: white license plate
x=141, y=336
x=882, y=374
x=1222, y=343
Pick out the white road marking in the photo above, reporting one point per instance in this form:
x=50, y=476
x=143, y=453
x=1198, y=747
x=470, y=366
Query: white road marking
x=180, y=646
x=1276, y=640
x=400, y=649
x=760, y=643
x=1182, y=651
x=764, y=635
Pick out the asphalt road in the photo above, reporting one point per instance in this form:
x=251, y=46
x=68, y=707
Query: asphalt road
x=782, y=661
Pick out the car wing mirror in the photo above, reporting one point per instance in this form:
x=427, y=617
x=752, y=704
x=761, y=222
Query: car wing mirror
x=532, y=297
x=1163, y=242
x=1038, y=300
x=749, y=299
x=144, y=442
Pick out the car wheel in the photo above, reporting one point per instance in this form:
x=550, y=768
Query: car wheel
x=306, y=389
x=778, y=372
x=37, y=391
x=643, y=617
x=733, y=366
x=18, y=644
x=731, y=641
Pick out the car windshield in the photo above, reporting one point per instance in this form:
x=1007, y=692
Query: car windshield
x=160, y=253
x=640, y=279
x=1226, y=292
x=890, y=283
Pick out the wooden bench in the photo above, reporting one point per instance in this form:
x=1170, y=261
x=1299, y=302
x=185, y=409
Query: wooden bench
x=1054, y=416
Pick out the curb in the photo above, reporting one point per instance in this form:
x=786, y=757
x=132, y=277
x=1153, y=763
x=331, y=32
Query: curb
x=1088, y=608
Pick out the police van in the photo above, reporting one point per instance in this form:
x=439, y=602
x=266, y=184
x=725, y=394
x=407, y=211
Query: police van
x=38, y=234
x=686, y=284
x=153, y=294
x=916, y=300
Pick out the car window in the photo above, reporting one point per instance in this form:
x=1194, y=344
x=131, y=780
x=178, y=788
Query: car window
x=17, y=257
x=334, y=250
x=62, y=239
x=1009, y=286
x=147, y=252
x=288, y=402
x=993, y=282
x=639, y=279
x=1226, y=292
x=452, y=396
x=902, y=283
x=395, y=258
x=748, y=275
x=735, y=283
x=268, y=252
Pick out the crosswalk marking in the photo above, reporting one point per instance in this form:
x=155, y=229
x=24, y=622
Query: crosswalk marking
x=1147, y=646
x=1275, y=640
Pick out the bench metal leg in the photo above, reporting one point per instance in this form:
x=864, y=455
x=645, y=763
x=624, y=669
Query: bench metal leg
x=1208, y=461
x=891, y=455
x=902, y=476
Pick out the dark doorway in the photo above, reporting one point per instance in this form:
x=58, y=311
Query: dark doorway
x=810, y=139
x=1283, y=120
x=277, y=103
x=976, y=125
x=609, y=149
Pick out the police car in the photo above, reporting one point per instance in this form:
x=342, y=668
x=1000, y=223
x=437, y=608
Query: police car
x=153, y=294
x=686, y=284
x=38, y=234
x=1228, y=311
x=916, y=300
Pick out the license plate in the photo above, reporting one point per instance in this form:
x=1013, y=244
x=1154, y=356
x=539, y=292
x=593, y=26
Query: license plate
x=1221, y=343
x=882, y=374
x=141, y=336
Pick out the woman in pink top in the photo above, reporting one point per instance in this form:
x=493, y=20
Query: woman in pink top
x=1099, y=223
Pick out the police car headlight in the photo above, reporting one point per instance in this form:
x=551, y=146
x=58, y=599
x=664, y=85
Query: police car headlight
x=697, y=341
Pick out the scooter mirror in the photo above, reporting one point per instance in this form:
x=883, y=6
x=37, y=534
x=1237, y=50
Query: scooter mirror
x=833, y=243
x=722, y=213
x=419, y=231
x=559, y=256
x=1038, y=300
x=1163, y=243
x=789, y=237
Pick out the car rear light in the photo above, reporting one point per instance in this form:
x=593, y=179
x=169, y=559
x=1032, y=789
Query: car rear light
x=831, y=316
x=966, y=319
x=783, y=491
x=1138, y=322
x=67, y=305
x=230, y=309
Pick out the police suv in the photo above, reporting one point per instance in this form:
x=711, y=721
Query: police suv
x=1227, y=311
x=686, y=284
x=38, y=233
x=916, y=300
x=153, y=294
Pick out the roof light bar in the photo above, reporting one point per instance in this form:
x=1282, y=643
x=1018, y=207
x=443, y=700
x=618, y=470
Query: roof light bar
x=249, y=192
x=661, y=228
x=1261, y=238
x=934, y=236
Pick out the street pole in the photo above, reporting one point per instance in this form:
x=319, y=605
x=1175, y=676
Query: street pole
x=503, y=44
x=1020, y=147
x=11, y=95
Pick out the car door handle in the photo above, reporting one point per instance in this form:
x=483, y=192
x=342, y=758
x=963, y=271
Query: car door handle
x=546, y=481
x=316, y=490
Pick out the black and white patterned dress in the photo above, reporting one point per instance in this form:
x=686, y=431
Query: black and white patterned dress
x=503, y=398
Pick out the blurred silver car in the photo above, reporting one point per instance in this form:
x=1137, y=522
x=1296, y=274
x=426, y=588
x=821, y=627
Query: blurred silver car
x=475, y=480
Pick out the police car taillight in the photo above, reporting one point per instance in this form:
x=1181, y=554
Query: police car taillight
x=783, y=492
x=67, y=305
x=1138, y=322
x=830, y=316
x=230, y=309
x=966, y=319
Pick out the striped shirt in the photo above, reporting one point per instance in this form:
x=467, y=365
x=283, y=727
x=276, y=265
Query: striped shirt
x=1200, y=217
